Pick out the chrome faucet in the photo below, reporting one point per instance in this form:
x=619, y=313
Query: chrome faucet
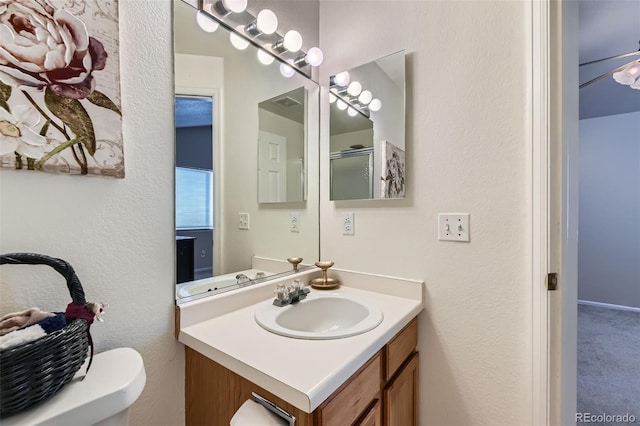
x=242, y=280
x=288, y=295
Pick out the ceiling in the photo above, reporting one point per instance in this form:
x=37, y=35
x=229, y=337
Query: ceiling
x=607, y=28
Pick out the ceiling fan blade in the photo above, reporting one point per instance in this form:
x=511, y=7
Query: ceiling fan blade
x=600, y=77
x=624, y=55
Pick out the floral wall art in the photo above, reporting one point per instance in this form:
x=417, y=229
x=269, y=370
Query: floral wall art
x=60, y=87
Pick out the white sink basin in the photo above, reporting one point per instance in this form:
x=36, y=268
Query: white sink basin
x=320, y=316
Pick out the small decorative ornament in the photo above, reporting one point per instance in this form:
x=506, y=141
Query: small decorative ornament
x=60, y=87
x=97, y=309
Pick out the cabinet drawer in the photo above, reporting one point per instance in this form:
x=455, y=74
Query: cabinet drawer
x=399, y=349
x=354, y=397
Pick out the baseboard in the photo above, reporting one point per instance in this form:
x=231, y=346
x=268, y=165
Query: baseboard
x=609, y=306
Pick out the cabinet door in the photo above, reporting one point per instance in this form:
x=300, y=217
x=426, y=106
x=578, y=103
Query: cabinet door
x=373, y=417
x=401, y=396
x=348, y=403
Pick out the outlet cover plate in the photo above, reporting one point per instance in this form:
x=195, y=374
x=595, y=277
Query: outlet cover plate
x=453, y=227
x=295, y=222
x=243, y=221
x=348, y=226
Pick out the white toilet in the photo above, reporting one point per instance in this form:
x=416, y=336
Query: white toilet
x=114, y=382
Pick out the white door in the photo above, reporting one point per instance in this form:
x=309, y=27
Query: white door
x=272, y=168
x=563, y=303
x=555, y=152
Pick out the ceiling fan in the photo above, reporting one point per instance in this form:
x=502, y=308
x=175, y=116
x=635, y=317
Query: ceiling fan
x=627, y=74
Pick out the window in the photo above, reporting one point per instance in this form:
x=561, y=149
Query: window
x=194, y=198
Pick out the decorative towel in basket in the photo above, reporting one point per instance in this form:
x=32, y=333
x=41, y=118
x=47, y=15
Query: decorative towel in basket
x=36, y=370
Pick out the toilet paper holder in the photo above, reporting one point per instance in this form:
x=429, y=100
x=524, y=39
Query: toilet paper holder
x=274, y=408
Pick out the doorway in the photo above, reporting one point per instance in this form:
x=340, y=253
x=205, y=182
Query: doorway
x=608, y=324
x=194, y=187
x=556, y=166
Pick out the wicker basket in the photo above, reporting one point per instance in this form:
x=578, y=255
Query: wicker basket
x=35, y=371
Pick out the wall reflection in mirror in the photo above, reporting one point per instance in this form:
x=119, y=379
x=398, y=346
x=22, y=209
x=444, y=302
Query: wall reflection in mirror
x=246, y=162
x=367, y=130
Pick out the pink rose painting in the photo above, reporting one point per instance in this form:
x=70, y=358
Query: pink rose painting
x=60, y=87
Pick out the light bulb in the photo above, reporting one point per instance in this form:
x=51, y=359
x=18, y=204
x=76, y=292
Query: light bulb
x=225, y=7
x=354, y=88
x=342, y=105
x=332, y=98
x=365, y=97
x=267, y=21
x=264, y=57
x=235, y=6
x=237, y=41
x=375, y=105
x=352, y=112
x=205, y=22
x=292, y=41
x=314, y=57
x=342, y=78
x=287, y=70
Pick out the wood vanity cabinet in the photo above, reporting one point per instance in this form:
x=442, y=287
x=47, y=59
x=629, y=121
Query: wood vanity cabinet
x=384, y=391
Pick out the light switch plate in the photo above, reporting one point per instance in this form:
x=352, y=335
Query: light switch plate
x=243, y=221
x=453, y=227
x=348, y=226
x=295, y=222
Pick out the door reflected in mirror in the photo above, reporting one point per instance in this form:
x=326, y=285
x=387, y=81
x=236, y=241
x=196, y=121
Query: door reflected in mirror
x=367, y=131
x=281, y=140
x=234, y=227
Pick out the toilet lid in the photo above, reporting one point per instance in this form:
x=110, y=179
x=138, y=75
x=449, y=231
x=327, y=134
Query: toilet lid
x=114, y=382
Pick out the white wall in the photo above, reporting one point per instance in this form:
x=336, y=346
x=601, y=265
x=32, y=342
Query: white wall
x=343, y=141
x=118, y=234
x=467, y=112
x=609, y=243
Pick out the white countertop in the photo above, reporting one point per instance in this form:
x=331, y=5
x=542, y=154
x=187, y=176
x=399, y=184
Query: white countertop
x=302, y=372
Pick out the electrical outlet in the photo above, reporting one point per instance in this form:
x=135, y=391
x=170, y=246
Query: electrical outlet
x=243, y=221
x=295, y=222
x=453, y=227
x=348, y=225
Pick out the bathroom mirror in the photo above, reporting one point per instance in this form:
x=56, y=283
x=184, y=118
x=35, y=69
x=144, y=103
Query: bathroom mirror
x=367, y=130
x=228, y=229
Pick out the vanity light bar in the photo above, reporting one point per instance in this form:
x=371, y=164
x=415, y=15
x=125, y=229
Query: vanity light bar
x=261, y=32
x=347, y=103
x=353, y=95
